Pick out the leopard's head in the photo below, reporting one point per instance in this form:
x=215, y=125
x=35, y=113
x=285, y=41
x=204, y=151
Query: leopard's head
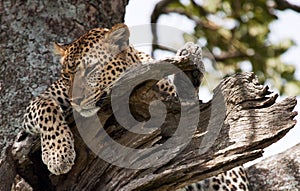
x=92, y=63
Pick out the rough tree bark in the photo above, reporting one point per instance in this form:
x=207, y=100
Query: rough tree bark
x=252, y=120
x=27, y=32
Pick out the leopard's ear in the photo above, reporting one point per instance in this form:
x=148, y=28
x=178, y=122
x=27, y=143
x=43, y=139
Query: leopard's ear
x=118, y=37
x=60, y=49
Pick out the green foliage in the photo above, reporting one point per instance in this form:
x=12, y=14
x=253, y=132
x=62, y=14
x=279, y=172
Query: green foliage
x=236, y=32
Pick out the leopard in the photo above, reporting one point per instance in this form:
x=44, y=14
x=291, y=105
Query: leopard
x=89, y=67
x=101, y=55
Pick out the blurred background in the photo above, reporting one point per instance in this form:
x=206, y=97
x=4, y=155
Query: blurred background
x=237, y=35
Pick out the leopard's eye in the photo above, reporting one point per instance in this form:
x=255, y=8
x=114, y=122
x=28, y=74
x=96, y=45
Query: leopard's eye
x=93, y=84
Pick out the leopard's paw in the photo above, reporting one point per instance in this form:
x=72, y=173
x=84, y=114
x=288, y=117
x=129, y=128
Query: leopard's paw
x=194, y=54
x=193, y=51
x=59, y=161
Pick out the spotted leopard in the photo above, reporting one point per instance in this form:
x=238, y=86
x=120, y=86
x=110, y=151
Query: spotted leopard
x=100, y=55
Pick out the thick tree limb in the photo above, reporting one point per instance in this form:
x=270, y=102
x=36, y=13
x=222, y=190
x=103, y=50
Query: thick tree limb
x=241, y=120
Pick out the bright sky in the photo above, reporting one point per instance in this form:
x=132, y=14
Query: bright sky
x=138, y=13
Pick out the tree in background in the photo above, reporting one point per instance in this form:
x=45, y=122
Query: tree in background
x=27, y=32
x=236, y=32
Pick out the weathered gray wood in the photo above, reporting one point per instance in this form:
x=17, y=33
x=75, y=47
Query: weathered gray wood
x=278, y=172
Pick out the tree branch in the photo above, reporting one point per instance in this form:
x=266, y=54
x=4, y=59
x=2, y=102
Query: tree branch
x=241, y=120
x=162, y=8
x=283, y=5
